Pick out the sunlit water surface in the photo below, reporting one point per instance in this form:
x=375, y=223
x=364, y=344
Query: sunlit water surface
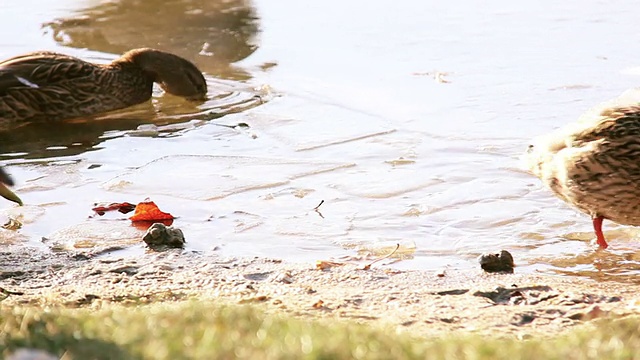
x=407, y=121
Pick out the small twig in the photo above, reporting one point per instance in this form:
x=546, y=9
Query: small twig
x=238, y=125
x=4, y=293
x=316, y=209
x=7, y=292
x=367, y=267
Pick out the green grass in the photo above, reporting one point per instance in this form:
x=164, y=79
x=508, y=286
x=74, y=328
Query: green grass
x=199, y=330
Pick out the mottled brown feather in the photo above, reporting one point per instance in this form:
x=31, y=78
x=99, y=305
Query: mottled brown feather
x=594, y=165
x=47, y=86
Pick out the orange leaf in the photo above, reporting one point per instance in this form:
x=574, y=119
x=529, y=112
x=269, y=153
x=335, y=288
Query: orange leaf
x=324, y=265
x=149, y=211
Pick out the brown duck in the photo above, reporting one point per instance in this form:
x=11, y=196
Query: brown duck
x=47, y=86
x=594, y=165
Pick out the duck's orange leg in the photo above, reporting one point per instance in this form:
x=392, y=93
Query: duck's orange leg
x=597, y=226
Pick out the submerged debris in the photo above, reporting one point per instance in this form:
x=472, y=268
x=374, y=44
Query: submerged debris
x=368, y=266
x=502, y=262
x=12, y=224
x=158, y=235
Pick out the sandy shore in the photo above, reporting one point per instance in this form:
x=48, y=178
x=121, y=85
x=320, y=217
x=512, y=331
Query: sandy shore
x=424, y=303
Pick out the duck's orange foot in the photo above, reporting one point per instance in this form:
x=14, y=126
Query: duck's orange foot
x=597, y=227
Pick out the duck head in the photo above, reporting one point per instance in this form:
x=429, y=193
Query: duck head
x=175, y=75
x=535, y=157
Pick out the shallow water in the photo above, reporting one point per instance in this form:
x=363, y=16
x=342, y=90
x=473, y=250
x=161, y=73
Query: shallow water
x=407, y=121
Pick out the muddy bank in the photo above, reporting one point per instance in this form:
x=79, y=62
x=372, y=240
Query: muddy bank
x=424, y=303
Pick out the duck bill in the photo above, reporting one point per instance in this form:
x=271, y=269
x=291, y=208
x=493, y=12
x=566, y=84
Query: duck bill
x=6, y=193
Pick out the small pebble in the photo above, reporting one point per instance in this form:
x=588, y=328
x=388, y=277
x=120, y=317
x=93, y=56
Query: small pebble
x=160, y=235
x=502, y=262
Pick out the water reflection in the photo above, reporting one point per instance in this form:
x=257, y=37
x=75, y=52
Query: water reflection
x=620, y=266
x=72, y=137
x=212, y=34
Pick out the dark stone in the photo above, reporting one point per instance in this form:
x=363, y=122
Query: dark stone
x=159, y=235
x=502, y=262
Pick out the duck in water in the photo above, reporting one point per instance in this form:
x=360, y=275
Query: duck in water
x=47, y=86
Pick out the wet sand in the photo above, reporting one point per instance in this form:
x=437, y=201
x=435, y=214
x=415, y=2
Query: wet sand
x=422, y=302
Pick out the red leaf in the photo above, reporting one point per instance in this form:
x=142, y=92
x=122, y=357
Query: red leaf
x=123, y=207
x=149, y=211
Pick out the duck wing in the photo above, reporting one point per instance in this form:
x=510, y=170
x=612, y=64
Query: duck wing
x=41, y=70
x=615, y=123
